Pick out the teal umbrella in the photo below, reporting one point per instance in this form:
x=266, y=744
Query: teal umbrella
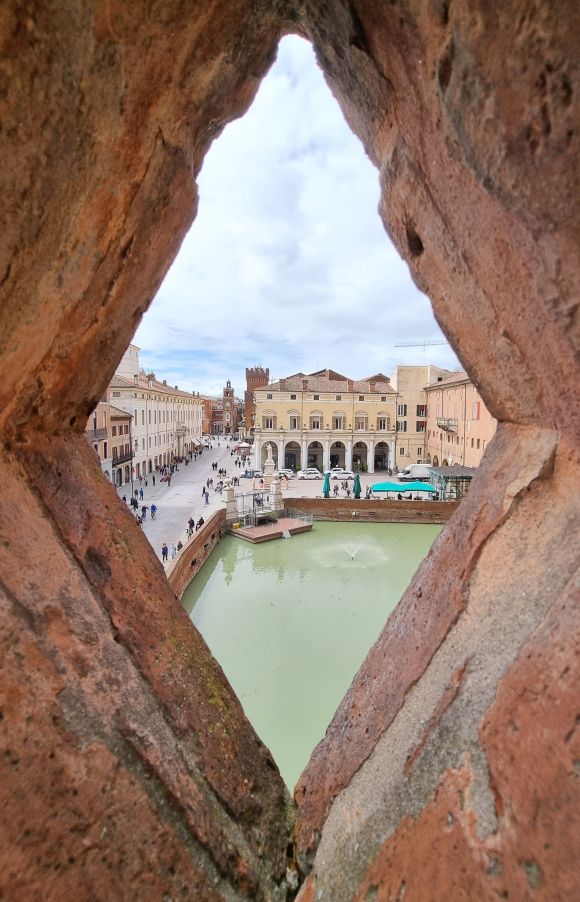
x=356, y=489
x=388, y=487
x=403, y=487
x=326, y=485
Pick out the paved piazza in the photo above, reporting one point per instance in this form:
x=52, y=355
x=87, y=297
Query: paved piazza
x=183, y=499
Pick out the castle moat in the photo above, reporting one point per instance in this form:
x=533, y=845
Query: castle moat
x=291, y=621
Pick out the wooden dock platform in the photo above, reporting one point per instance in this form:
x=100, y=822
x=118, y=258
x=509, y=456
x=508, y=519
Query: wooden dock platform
x=269, y=531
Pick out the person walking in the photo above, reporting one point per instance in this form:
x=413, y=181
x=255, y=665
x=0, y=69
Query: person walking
x=173, y=551
x=141, y=494
x=153, y=477
x=144, y=512
x=153, y=511
x=207, y=497
x=164, y=552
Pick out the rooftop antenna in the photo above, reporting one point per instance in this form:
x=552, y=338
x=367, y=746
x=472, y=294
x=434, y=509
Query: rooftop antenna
x=427, y=343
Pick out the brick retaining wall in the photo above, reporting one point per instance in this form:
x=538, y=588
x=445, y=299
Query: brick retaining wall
x=196, y=552
x=383, y=511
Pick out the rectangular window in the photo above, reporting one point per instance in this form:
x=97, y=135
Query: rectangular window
x=421, y=425
x=475, y=408
x=315, y=423
x=338, y=422
x=294, y=423
x=143, y=443
x=292, y=397
x=127, y=429
x=472, y=442
x=402, y=410
x=269, y=397
x=114, y=430
x=383, y=397
x=478, y=443
x=383, y=424
x=268, y=422
x=142, y=417
x=401, y=452
x=105, y=449
x=419, y=452
x=338, y=397
x=149, y=417
x=116, y=394
x=421, y=410
x=360, y=423
x=401, y=425
x=361, y=397
x=316, y=397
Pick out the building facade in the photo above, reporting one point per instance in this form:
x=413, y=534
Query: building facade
x=324, y=420
x=121, y=451
x=98, y=434
x=143, y=423
x=459, y=425
x=221, y=415
x=410, y=382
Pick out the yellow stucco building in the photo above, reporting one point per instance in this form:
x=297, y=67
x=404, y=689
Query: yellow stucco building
x=324, y=420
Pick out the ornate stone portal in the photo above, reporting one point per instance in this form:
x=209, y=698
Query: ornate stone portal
x=128, y=765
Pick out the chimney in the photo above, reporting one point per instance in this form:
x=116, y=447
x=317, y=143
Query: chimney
x=165, y=382
x=136, y=378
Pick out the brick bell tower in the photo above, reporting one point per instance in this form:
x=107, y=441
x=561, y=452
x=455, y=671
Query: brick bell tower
x=256, y=377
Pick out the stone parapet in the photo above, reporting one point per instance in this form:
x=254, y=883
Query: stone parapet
x=434, y=512
x=196, y=552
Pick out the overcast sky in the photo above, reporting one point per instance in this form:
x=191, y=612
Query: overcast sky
x=287, y=264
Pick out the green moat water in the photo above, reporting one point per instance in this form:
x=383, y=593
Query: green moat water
x=291, y=621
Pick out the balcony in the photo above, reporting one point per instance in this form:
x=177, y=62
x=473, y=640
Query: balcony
x=97, y=435
x=449, y=425
x=122, y=458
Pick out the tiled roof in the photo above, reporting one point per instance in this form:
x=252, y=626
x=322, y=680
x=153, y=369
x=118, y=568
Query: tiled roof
x=117, y=412
x=330, y=381
x=454, y=378
x=143, y=383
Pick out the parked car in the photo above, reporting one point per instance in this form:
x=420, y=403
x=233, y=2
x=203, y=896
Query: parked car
x=251, y=474
x=309, y=473
x=289, y=474
x=338, y=473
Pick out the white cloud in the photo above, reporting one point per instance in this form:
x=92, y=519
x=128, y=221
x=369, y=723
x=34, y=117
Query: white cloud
x=287, y=263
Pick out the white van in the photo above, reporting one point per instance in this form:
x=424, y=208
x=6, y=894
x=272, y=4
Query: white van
x=415, y=471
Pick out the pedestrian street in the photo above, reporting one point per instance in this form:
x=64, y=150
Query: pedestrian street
x=182, y=499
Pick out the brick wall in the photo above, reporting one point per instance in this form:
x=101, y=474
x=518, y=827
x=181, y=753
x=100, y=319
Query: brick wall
x=383, y=511
x=196, y=552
